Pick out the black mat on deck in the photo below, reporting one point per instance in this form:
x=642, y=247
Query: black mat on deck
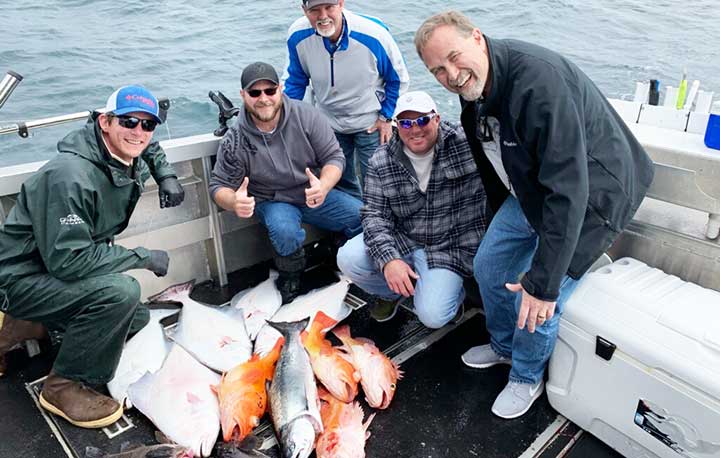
x=23, y=430
x=442, y=407
x=589, y=446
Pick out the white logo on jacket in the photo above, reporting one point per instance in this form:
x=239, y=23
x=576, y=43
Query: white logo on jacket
x=509, y=144
x=71, y=220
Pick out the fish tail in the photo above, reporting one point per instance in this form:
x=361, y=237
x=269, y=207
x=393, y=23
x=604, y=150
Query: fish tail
x=323, y=322
x=288, y=328
x=174, y=293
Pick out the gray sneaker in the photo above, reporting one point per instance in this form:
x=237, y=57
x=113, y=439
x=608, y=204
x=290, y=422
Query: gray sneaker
x=516, y=399
x=483, y=356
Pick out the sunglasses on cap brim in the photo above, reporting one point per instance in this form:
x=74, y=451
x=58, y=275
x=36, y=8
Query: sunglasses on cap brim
x=131, y=122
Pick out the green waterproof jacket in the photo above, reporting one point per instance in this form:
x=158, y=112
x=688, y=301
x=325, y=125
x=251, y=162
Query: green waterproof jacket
x=68, y=212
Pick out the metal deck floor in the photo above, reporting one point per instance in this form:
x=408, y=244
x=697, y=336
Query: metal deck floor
x=441, y=408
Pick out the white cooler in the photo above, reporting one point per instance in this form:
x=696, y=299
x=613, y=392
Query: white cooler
x=637, y=362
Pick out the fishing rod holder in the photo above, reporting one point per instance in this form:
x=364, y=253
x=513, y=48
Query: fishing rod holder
x=8, y=85
x=226, y=111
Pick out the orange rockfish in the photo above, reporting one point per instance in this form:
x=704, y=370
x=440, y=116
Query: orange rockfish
x=378, y=374
x=344, y=432
x=329, y=364
x=242, y=394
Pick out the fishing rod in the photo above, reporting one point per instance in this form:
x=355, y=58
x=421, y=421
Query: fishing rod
x=10, y=82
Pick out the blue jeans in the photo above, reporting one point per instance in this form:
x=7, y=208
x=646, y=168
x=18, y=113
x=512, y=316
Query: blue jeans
x=505, y=253
x=361, y=145
x=339, y=213
x=438, y=292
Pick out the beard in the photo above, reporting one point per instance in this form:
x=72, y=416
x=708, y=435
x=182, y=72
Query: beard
x=265, y=115
x=472, y=92
x=327, y=31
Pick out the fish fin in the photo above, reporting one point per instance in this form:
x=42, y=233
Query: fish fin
x=342, y=332
x=366, y=425
x=287, y=328
x=365, y=340
x=324, y=321
x=93, y=452
x=173, y=293
x=161, y=438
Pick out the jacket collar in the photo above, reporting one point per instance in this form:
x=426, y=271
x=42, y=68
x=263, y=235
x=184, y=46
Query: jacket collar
x=342, y=44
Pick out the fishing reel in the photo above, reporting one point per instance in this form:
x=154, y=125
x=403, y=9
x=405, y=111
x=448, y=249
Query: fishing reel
x=226, y=111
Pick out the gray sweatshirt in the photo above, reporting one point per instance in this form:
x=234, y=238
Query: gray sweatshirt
x=275, y=162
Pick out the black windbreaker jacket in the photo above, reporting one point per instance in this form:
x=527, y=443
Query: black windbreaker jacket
x=577, y=170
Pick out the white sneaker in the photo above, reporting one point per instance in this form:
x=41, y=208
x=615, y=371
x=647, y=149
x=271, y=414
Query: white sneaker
x=516, y=399
x=482, y=357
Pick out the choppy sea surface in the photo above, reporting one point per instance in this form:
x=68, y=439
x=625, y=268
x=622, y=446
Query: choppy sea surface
x=74, y=53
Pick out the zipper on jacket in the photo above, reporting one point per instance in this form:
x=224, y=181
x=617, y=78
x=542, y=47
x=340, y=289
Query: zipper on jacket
x=332, y=69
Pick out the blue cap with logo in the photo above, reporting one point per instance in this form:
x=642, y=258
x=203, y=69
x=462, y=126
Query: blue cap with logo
x=131, y=99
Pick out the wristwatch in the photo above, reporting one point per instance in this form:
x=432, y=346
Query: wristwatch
x=382, y=118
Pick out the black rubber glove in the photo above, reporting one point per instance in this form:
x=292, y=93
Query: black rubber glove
x=159, y=261
x=171, y=192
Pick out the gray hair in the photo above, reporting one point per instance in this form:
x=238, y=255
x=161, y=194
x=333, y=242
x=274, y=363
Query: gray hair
x=456, y=19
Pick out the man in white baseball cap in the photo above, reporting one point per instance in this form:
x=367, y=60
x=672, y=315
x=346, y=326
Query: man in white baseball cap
x=423, y=218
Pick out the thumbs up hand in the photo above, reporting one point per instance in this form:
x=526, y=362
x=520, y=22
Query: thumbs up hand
x=244, y=204
x=315, y=194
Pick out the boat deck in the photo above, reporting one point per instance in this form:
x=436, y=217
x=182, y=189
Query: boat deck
x=441, y=408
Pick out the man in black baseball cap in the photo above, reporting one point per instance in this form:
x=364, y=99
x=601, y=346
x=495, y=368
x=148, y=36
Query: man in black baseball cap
x=280, y=163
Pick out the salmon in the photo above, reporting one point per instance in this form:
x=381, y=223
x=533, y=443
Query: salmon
x=294, y=402
x=344, y=432
x=329, y=363
x=378, y=373
x=242, y=394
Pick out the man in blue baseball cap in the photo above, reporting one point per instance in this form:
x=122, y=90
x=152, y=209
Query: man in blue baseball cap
x=58, y=266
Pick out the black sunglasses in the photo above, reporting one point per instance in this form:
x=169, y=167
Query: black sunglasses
x=422, y=121
x=255, y=93
x=131, y=122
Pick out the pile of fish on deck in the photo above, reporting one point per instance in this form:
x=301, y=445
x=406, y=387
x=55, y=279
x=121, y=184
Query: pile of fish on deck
x=178, y=386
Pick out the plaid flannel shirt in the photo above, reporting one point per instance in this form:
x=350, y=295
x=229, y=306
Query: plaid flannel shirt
x=448, y=220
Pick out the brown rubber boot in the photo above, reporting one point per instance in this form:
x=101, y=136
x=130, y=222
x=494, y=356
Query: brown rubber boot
x=77, y=403
x=14, y=332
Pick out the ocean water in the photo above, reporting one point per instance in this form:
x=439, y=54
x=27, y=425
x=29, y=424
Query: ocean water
x=74, y=53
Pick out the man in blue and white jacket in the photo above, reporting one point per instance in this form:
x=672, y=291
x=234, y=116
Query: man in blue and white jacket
x=357, y=74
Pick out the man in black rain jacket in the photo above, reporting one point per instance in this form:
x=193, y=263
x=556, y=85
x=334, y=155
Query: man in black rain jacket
x=563, y=176
x=58, y=266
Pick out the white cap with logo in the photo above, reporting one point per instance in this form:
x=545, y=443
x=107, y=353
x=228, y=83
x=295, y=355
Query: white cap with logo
x=419, y=101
